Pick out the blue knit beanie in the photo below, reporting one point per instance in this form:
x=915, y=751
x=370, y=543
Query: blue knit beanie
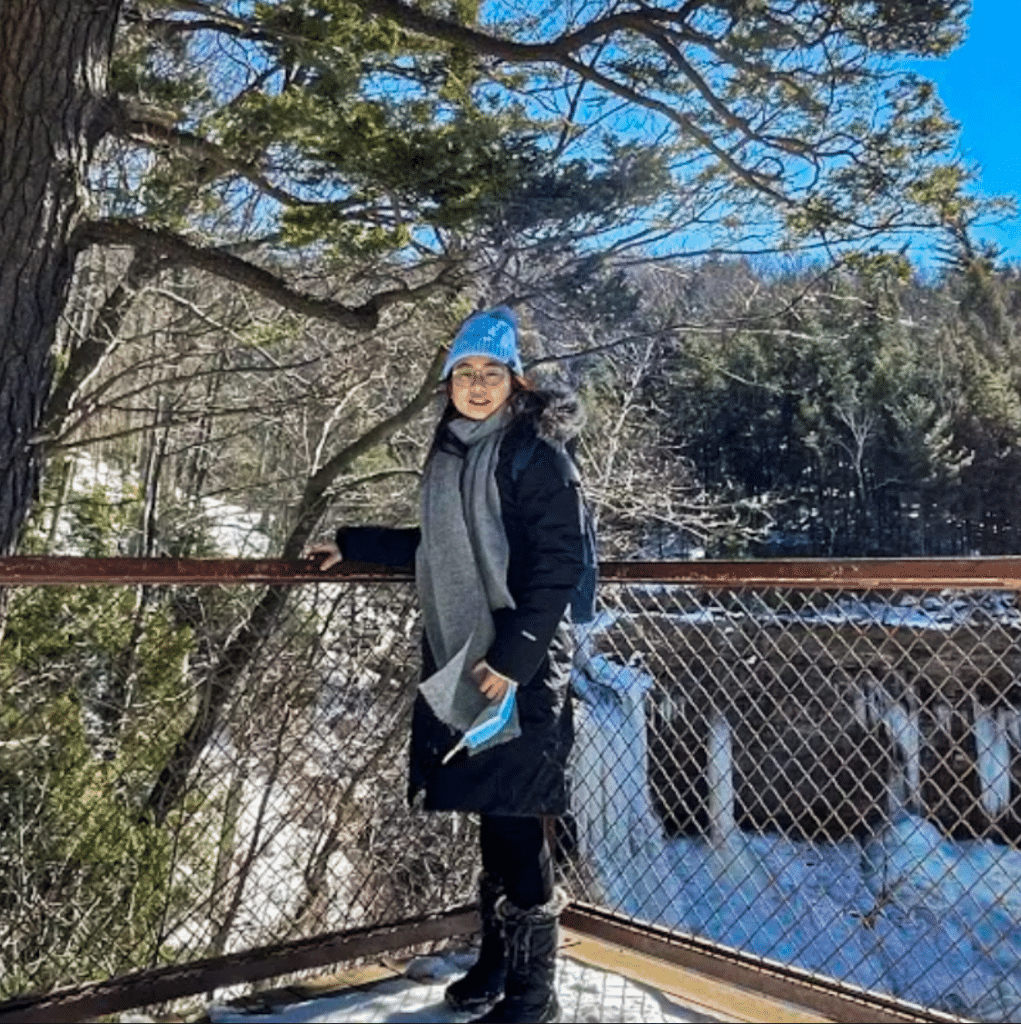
x=493, y=333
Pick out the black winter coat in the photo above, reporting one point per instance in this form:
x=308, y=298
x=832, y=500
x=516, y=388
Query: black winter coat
x=541, y=510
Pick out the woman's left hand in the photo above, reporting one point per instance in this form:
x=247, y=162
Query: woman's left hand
x=328, y=548
x=492, y=685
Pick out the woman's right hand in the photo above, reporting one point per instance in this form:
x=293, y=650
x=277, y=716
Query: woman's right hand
x=328, y=548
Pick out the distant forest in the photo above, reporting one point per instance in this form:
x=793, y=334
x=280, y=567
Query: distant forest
x=734, y=410
x=870, y=411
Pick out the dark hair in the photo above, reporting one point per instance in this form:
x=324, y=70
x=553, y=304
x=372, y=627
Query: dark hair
x=521, y=399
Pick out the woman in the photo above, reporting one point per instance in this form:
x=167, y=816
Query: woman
x=499, y=552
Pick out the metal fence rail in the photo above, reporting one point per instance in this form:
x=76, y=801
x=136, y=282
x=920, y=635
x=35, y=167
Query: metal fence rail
x=812, y=763
x=290, y=820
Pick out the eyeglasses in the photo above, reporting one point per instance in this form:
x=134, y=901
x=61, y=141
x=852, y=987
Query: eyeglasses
x=490, y=377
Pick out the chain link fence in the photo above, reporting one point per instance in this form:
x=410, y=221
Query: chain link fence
x=823, y=778
x=292, y=820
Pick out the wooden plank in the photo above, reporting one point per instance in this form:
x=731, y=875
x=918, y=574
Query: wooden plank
x=725, y=1002
x=323, y=986
x=824, y=997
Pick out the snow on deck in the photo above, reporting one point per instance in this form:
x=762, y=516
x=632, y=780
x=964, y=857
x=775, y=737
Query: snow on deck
x=586, y=993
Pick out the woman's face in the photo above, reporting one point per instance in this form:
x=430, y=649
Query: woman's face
x=479, y=386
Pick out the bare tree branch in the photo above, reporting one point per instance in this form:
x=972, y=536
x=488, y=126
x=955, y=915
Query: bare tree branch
x=88, y=355
x=315, y=498
x=239, y=652
x=179, y=250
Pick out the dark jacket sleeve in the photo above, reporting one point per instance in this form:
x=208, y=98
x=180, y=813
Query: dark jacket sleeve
x=379, y=544
x=550, y=559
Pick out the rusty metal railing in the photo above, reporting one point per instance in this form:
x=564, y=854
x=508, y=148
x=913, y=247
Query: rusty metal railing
x=810, y=765
x=799, y=573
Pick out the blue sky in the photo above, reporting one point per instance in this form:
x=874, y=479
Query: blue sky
x=980, y=85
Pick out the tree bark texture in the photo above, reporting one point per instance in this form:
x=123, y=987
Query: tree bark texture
x=54, y=58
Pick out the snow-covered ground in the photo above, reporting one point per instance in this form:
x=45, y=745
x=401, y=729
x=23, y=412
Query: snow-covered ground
x=909, y=912
x=230, y=529
x=273, y=851
x=586, y=994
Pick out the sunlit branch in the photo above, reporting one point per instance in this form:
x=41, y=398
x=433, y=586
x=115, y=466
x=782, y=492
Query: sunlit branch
x=179, y=250
x=561, y=51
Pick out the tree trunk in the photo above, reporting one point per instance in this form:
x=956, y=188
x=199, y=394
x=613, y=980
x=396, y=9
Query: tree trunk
x=54, y=57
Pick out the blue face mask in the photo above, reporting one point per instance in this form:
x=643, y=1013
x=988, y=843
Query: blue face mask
x=490, y=722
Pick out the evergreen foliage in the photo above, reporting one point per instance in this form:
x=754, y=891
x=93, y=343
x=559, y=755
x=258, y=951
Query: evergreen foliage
x=93, y=686
x=877, y=415
x=291, y=204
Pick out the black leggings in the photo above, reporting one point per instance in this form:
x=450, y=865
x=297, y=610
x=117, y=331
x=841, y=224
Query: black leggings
x=514, y=850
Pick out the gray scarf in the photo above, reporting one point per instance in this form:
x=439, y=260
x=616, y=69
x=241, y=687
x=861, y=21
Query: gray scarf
x=461, y=564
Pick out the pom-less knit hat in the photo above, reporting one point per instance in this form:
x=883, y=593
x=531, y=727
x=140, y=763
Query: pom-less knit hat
x=493, y=333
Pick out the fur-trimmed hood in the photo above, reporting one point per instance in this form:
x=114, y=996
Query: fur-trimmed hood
x=555, y=412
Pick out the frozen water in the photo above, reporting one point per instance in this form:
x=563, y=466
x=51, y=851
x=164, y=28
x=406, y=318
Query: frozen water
x=909, y=912
x=623, y=820
x=1012, y=724
x=905, y=731
x=720, y=776
x=992, y=756
x=618, y=831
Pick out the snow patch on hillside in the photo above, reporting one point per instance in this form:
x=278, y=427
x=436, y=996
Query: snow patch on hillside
x=231, y=530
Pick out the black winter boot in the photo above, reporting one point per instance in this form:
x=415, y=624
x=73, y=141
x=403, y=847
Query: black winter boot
x=530, y=996
x=483, y=984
